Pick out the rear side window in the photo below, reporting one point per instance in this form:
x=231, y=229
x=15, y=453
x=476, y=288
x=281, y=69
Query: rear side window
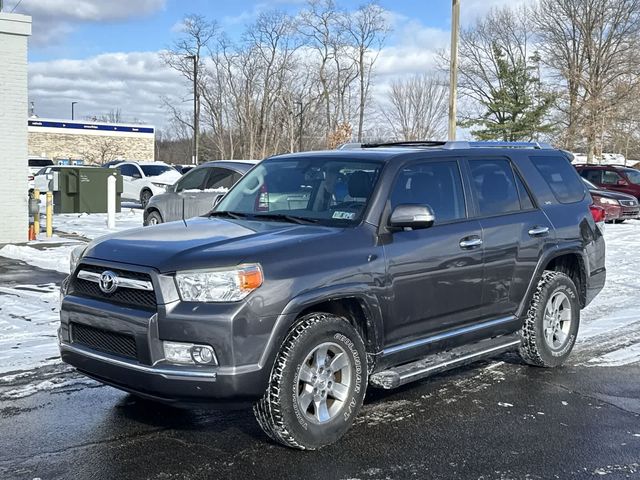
x=436, y=184
x=610, y=177
x=40, y=162
x=561, y=177
x=591, y=174
x=495, y=187
x=221, y=178
x=194, y=180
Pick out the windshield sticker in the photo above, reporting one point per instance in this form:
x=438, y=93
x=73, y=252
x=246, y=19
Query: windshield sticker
x=344, y=215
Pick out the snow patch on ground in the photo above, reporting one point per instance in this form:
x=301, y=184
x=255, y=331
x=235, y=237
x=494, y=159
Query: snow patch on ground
x=95, y=225
x=49, y=258
x=29, y=319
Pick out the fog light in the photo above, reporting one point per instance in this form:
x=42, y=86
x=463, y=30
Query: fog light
x=189, y=353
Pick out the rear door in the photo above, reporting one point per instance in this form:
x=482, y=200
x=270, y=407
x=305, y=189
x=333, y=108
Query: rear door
x=435, y=273
x=514, y=232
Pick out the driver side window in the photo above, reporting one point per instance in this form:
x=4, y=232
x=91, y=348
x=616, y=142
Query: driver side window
x=194, y=180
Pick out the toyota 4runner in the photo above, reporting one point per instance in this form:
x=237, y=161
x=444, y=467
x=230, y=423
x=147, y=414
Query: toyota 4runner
x=320, y=274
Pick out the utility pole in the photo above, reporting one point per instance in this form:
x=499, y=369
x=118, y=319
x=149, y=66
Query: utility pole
x=453, y=68
x=300, y=125
x=73, y=104
x=196, y=126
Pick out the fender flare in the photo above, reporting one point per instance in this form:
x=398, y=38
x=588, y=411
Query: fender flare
x=360, y=292
x=554, y=252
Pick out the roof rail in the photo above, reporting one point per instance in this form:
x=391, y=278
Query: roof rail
x=457, y=145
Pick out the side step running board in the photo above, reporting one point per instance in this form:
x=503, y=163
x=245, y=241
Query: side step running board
x=440, y=362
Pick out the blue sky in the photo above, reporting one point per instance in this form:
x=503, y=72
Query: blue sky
x=103, y=54
x=153, y=31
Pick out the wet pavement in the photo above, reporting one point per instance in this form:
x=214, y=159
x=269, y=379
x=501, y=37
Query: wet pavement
x=495, y=420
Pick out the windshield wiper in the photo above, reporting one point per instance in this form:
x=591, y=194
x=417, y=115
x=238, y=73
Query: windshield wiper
x=225, y=213
x=287, y=218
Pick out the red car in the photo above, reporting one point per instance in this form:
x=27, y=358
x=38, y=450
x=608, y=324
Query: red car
x=612, y=177
x=618, y=207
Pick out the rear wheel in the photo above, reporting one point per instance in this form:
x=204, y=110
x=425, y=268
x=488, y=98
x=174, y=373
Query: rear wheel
x=551, y=326
x=317, y=384
x=145, y=196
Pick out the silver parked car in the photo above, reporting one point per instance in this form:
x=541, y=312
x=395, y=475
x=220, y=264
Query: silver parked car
x=196, y=192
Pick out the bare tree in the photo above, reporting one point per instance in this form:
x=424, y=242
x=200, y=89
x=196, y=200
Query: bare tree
x=185, y=56
x=366, y=30
x=103, y=151
x=416, y=107
x=594, y=45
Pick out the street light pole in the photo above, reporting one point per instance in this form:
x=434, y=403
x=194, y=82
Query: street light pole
x=453, y=68
x=196, y=126
x=73, y=104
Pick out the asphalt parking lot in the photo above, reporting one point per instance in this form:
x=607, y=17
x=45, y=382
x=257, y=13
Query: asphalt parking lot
x=496, y=420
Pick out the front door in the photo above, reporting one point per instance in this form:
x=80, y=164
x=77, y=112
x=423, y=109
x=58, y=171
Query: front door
x=435, y=273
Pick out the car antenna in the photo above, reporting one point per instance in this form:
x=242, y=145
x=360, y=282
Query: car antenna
x=183, y=220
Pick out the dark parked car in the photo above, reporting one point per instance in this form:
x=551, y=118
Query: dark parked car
x=618, y=207
x=612, y=177
x=322, y=273
x=196, y=192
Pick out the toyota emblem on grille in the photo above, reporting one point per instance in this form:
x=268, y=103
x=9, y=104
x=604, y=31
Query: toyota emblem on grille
x=108, y=281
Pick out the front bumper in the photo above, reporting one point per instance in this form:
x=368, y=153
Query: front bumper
x=242, y=340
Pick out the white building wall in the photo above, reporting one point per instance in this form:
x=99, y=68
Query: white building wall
x=14, y=32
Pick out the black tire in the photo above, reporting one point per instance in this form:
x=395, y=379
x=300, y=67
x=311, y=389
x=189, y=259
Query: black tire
x=145, y=196
x=154, y=218
x=279, y=413
x=534, y=347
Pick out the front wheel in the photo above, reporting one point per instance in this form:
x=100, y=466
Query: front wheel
x=551, y=326
x=154, y=218
x=317, y=384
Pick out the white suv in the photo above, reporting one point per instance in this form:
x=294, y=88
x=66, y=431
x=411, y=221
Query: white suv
x=143, y=180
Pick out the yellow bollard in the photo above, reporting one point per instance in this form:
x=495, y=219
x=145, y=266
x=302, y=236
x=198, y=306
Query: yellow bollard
x=36, y=217
x=49, y=214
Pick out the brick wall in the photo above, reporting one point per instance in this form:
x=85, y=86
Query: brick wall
x=90, y=147
x=14, y=31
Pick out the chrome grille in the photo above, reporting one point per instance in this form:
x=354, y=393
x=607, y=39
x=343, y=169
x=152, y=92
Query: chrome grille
x=129, y=293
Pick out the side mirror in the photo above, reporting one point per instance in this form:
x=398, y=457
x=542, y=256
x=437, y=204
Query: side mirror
x=218, y=199
x=136, y=175
x=622, y=182
x=412, y=216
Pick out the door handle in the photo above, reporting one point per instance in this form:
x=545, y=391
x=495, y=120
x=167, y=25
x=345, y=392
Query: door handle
x=538, y=231
x=470, y=242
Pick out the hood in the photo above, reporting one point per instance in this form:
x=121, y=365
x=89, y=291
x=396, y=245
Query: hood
x=201, y=243
x=612, y=194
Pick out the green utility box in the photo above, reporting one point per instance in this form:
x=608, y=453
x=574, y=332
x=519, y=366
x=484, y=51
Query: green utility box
x=83, y=189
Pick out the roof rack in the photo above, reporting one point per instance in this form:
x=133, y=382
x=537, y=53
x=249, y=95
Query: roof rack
x=458, y=145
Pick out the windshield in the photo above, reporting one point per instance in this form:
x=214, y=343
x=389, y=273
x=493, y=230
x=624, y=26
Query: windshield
x=155, y=170
x=329, y=191
x=633, y=175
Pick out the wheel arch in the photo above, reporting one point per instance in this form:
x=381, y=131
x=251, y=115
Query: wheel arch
x=148, y=211
x=570, y=261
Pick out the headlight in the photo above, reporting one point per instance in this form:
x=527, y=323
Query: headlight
x=76, y=256
x=608, y=201
x=163, y=186
x=220, y=285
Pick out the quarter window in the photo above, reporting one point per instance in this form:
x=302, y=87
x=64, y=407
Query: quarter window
x=495, y=187
x=436, y=184
x=561, y=177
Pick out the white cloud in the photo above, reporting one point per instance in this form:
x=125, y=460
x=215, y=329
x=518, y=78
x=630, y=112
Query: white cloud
x=53, y=19
x=133, y=82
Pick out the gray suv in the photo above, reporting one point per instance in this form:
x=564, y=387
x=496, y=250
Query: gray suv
x=321, y=274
